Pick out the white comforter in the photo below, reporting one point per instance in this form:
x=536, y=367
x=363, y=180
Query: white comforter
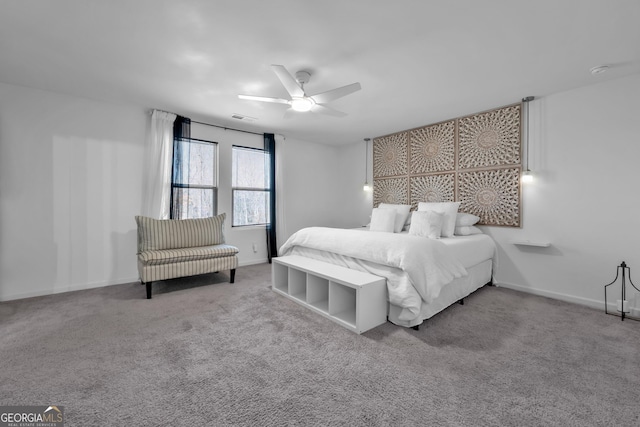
x=429, y=263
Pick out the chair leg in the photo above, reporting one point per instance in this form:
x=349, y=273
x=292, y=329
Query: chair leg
x=233, y=275
x=148, y=290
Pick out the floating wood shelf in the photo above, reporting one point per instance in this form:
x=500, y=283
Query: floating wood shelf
x=530, y=243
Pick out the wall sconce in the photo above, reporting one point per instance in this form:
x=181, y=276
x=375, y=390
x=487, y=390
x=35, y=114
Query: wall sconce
x=527, y=176
x=366, y=186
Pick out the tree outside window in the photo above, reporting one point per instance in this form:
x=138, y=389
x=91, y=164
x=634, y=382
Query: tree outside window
x=250, y=187
x=194, y=192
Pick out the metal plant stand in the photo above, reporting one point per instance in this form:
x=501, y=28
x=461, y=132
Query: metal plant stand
x=623, y=303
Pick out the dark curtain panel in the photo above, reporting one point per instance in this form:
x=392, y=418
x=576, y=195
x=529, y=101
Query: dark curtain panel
x=270, y=149
x=181, y=131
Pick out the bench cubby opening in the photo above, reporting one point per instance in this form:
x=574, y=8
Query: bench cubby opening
x=342, y=303
x=298, y=284
x=280, y=277
x=318, y=293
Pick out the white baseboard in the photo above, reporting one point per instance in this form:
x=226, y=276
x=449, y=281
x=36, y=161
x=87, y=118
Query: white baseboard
x=71, y=288
x=63, y=289
x=253, y=262
x=597, y=304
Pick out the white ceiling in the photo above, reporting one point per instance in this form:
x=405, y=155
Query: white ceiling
x=418, y=61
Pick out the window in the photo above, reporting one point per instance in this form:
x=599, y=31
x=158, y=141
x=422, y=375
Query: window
x=194, y=183
x=250, y=186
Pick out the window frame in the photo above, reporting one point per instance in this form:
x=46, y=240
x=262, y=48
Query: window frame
x=214, y=188
x=255, y=189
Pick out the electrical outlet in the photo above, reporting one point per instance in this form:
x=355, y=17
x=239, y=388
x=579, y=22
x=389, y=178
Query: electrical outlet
x=255, y=247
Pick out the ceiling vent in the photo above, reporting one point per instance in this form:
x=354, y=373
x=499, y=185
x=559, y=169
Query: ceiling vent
x=599, y=69
x=243, y=117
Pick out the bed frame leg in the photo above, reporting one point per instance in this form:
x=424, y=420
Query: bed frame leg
x=416, y=328
x=461, y=301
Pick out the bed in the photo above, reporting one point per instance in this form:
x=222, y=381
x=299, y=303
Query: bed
x=424, y=276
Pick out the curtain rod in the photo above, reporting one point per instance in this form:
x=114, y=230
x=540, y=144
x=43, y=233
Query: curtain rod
x=226, y=128
x=221, y=127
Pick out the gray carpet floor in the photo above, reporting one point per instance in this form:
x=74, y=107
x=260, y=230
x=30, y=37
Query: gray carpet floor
x=204, y=352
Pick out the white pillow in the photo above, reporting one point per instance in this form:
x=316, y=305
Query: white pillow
x=407, y=224
x=467, y=230
x=450, y=210
x=427, y=224
x=382, y=220
x=402, y=212
x=466, y=219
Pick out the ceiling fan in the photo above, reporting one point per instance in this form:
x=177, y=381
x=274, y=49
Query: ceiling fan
x=300, y=101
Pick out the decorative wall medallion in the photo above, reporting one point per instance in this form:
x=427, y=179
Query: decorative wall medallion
x=432, y=148
x=493, y=195
x=432, y=188
x=390, y=155
x=393, y=190
x=490, y=139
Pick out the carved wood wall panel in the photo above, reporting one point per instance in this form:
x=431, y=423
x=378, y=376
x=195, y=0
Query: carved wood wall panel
x=432, y=188
x=390, y=190
x=493, y=195
x=390, y=155
x=474, y=159
x=433, y=148
x=490, y=139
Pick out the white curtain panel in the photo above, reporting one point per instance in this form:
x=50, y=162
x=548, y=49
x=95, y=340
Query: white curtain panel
x=281, y=231
x=157, y=165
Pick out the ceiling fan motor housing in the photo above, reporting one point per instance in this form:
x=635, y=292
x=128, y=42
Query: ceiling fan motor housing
x=303, y=77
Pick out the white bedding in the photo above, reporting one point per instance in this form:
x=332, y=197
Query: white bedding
x=416, y=268
x=471, y=250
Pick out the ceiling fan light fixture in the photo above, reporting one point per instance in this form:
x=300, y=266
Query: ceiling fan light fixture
x=302, y=104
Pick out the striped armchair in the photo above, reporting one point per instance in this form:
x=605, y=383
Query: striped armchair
x=170, y=248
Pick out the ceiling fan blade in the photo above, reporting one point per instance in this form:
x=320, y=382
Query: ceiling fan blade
x=330, y=95
x=288, y=81
x=323, y=109
x=263, y=99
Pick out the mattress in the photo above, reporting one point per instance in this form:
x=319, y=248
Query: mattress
x=469, y=250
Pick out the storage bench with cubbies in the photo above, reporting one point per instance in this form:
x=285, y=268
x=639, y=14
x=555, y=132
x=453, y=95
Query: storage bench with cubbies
x=351, y=298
